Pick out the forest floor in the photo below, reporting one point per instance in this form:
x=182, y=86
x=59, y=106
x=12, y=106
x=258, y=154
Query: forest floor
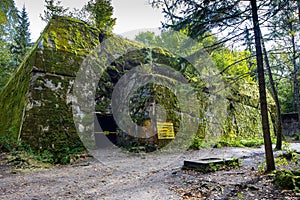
x=116, y=175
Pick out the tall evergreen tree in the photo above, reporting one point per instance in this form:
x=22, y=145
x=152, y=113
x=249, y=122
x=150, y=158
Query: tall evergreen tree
x=262, y=89
x=5, y=63
x=274, y=93
x=284, y=27
x=53, y=7
x=100, y=14
x=8, y=20
x=22, y=37
x=198, y=17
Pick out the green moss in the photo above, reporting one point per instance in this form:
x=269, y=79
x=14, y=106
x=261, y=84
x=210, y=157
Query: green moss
x=13, y=99
x=288, y=179
x=70, y=35
x=31, y=106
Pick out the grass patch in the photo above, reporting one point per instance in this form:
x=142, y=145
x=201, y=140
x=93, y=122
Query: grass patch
x=200, y=143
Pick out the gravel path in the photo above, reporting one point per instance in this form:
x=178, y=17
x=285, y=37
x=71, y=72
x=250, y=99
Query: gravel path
x=137, y=176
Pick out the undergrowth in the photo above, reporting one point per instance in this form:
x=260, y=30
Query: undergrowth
x=61, y=155
x=6, y=145
x=200, y=143
x=287, y=179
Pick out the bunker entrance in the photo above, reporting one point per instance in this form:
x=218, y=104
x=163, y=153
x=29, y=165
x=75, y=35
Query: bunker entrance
x=105, y=130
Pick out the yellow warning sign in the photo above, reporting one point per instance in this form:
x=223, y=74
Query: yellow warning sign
x=165, y=130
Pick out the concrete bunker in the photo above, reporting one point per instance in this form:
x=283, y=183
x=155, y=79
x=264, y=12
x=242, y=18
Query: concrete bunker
x=37, y=101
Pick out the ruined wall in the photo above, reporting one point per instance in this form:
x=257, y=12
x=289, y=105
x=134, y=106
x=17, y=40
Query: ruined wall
x=13, y=99
x=34, y=103
x=290, y=124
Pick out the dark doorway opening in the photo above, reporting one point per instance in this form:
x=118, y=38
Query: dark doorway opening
x=105, y=130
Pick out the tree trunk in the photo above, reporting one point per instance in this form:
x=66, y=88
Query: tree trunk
x=275, y=96
x=298, y=4
x=262, y=90
x=295, y=73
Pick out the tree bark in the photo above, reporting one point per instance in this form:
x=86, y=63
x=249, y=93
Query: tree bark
x=296, y=86
x=298, y=4
x=278, y=127
x=295, y=72
x=262, y=90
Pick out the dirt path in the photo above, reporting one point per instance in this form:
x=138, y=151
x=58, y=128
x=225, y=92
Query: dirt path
x=145, y=176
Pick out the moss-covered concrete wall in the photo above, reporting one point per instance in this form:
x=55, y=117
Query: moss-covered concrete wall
x=35, y=104
x=13, y=99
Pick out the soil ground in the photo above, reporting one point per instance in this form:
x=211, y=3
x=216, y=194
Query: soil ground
x=115, y=175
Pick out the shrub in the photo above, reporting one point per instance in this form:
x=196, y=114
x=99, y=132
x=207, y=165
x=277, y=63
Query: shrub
x=287, y=179
x=6, y=145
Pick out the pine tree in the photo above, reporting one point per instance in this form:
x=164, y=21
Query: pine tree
x=11, y=19
x=53, y=7
x=262, y=89
x=284, y=27
x=100, y=14
x=5, y=63
x=22, y=37
x=8, y=20
x=198, y=17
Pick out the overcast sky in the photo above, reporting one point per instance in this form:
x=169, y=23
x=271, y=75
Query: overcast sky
x=130, y=14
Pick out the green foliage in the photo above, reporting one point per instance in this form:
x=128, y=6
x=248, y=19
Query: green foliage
x=6, y=68
x=224, y=58
x=199, y=17
x=198, y=143
x=53, y=7
x=8, y=21
x=175, y=42
x=288, y=156
x=286, y=146
x=297, y=137
x=281, y=161
x=282, y=68
x=6, y=145
x=287, y=179
x=22, y=37
x=261, y=167
x=285, y=91
x=60, y=155
x=9, y=18
x=146, y=38
x=100, y=14
x=283, y=27
x=231, y=63
x=241, y=196
x=241, y=143
x=285, y=19
x=12, y=99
